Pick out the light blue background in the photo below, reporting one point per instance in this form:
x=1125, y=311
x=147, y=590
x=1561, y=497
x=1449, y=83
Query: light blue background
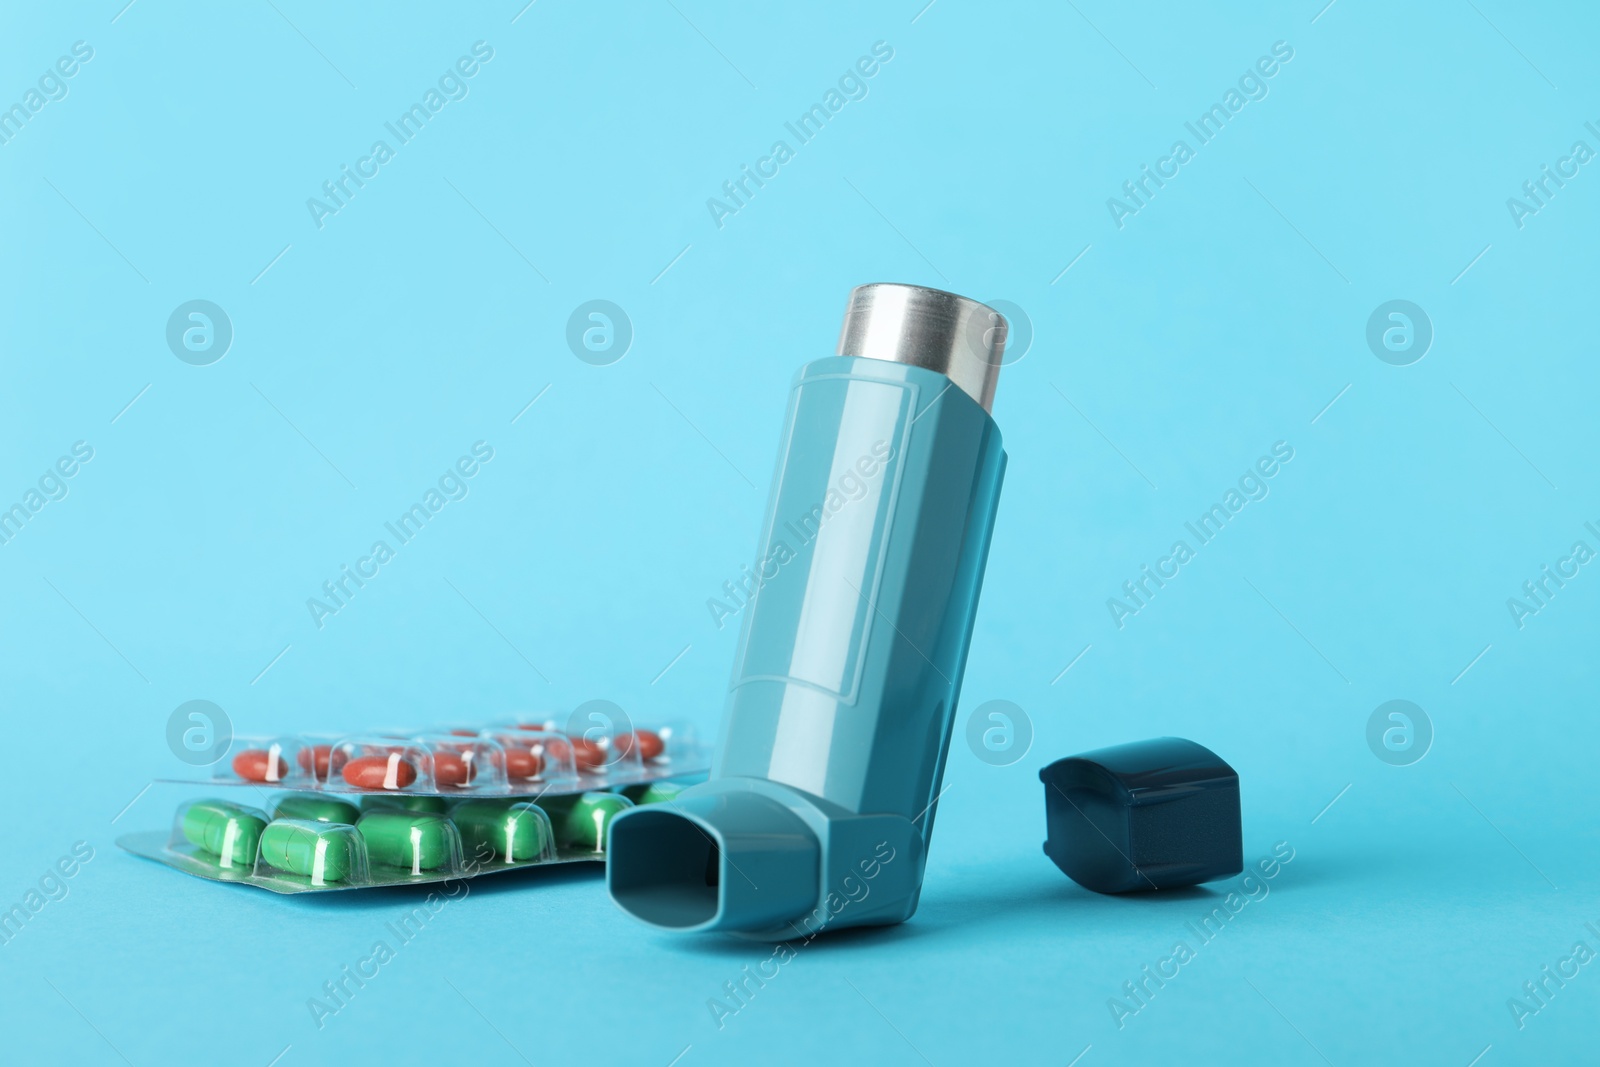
x=1224, y=316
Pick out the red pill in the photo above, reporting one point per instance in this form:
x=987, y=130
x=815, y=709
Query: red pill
x=314, y=760
x=463, y=733
x=522, y=763
x=589, y=756
x=261, y=764
x=380, y=772
x=650, y=743
x=449, y=768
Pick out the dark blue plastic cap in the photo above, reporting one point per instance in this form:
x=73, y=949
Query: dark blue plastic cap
x=1153, y=814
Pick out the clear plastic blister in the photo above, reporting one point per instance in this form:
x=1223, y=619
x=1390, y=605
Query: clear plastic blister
x=266, y=760
x=370, y=764
x=311, y=854
x=535, y=760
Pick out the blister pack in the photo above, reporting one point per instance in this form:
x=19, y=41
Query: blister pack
x=500, y=759
x=312, y=841
x=402, y=806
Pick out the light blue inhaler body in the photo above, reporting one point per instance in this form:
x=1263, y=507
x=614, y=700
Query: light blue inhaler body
x=822, y=795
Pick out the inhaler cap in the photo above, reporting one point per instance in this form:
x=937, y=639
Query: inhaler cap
x=1154, y=814
x=960, y=338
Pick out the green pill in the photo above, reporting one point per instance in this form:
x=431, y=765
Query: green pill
x=589, y=818
x=316, y=809
x=508, y=831
x=227, y=831
x=657, y=792
x=402, y=802
x=417, y=841
x=319, y=851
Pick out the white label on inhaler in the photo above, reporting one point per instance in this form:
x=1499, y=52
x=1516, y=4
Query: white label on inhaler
x=822, y=555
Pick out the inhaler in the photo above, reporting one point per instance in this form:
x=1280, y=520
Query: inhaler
x=822, y=794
